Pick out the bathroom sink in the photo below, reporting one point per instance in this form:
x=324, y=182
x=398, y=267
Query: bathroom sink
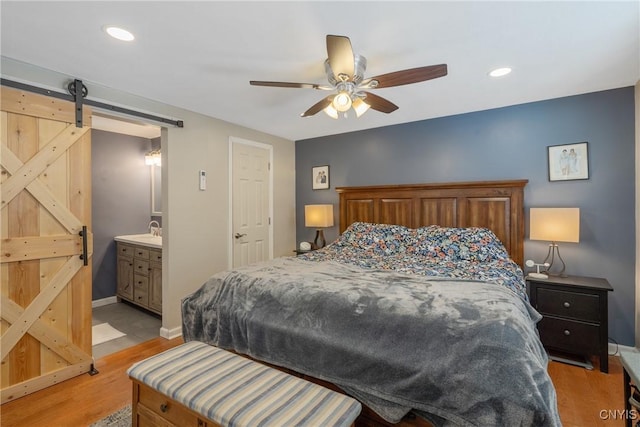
x=147, y=237
x=141, y=239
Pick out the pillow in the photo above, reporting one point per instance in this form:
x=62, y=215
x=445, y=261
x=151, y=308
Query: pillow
x=457, y=244
x=381, y=239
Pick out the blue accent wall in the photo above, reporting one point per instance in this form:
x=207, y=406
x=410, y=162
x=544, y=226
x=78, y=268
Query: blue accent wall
x=508, y=143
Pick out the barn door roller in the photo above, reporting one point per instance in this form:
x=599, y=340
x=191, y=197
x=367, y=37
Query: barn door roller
x=71, y=87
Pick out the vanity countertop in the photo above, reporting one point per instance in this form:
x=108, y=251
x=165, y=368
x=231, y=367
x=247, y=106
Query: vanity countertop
x=141, y=239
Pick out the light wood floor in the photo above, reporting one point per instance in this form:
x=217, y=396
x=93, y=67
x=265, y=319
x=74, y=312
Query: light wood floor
x=582, y=394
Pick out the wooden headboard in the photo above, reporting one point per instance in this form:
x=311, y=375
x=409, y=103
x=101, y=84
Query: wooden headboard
x=496, y=205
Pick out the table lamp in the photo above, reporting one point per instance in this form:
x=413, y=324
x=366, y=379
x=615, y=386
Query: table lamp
x=318, y=216
x=554, y=225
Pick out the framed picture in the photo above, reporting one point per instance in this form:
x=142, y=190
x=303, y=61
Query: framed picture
x=568, y=162
x=320, y=177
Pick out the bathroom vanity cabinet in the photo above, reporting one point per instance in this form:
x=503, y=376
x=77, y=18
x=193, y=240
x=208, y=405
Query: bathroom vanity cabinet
x=139, y=273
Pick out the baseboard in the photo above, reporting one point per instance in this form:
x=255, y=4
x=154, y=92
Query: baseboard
x=171, y=333
x=104, y=301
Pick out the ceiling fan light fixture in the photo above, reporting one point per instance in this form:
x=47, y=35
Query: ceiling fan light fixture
x=360, y=106
x=345, y=74
x=342, y=101
x=331, y=112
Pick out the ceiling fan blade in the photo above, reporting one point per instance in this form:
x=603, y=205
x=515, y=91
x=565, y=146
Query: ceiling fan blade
x=317, y=107
x=340, y=56
x=413, y=75
x=379, y=103
x=287, y=84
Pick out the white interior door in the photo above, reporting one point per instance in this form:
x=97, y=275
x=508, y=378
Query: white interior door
x=251, y=204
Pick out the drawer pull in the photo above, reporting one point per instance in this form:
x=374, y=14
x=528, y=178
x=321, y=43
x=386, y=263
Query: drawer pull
x=566, y=304
x=164, y=407
x=567, y=332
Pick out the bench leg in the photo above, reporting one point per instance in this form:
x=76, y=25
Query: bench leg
x=134, y=406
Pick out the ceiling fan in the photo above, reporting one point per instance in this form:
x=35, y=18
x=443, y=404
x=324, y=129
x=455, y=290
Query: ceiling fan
x=345, y=72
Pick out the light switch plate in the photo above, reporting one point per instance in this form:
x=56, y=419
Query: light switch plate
x=203, y=179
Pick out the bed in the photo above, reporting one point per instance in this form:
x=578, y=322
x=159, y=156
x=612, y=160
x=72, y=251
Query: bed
x=418, y=309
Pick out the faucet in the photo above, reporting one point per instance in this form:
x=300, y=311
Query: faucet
x=154, y=230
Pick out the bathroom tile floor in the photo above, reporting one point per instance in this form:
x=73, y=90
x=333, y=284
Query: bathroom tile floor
x=139, y=325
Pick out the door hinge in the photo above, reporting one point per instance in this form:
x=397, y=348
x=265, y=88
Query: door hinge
x=268, y=166
x=269, y=220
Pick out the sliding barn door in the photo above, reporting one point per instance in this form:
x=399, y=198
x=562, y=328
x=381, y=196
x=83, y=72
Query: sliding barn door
x=45, y=191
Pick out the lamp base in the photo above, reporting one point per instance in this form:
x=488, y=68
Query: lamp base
x=553, y=249
x=538, y=275
x=319, y=241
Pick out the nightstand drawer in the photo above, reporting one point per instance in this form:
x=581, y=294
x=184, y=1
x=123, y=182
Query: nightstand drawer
x=574, y=305
x=569, y=335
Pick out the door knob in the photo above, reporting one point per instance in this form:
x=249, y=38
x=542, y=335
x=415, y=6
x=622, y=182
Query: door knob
x=238, y=235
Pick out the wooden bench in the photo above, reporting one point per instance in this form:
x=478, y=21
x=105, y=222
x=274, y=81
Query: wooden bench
x=196, y=384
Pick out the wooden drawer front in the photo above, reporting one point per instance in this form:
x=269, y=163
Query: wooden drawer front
x=165, y=407
x=573, y=305
x=147, y=418
x=141, y=289
x=125, y=250
x=141, y=253
x=141, y=267
x=569, y=335
x=155, y=256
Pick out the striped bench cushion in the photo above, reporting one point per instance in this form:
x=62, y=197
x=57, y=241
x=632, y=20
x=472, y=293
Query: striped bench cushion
x=235, y=391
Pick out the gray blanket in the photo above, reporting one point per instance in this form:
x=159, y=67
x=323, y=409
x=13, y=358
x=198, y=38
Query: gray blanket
x=456, y=352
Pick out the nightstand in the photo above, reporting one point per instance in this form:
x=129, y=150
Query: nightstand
x=300, y=252
x=575, y=315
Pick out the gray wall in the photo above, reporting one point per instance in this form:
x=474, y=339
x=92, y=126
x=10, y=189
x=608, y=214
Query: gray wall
x=120, y=200
x=509, y=143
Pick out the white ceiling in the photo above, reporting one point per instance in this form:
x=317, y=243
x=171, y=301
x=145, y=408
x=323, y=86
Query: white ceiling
x=200, y=56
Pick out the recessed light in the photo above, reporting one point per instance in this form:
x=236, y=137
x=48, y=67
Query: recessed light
x=119, y=33
x=499, y=72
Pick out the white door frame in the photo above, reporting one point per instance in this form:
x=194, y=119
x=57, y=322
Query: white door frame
x=269, y=148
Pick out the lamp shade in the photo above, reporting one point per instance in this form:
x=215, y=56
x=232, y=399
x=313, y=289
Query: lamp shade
x=555, y=224
x=318, y=215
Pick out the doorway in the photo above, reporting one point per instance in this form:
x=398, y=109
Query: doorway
x=122, y=205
